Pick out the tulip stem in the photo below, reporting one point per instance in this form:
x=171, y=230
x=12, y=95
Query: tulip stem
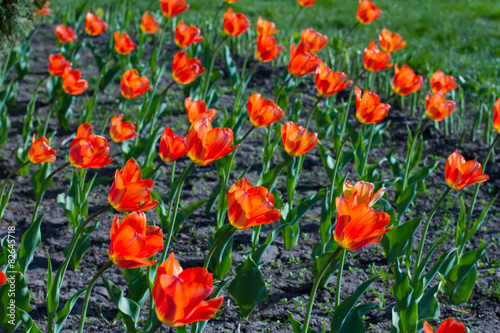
x=278, y=172
x=88, y=292
x=344, y=140
x=281, y=89
x=339, y=278
x=12, y=174
x=295, y=17
x=153, y=173
x=211, y=68
x=390, y=98
x=226, y=232
x=52, y=105
x=350, y=31
x=367, y=152
x=108, y=114
x=245, y=136
x=310, y=304
x=309, y=117
x=156, y=327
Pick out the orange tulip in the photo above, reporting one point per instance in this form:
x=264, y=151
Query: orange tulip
x=185, y=70
x=329, y=82
x=72, y=82
x=296, y=139
x=442, y=83
x=390, y=42
x=437, y=107
x=369, y=110
x=262, y=113
x=315, y=40
x=306, y=3
x=196, y=108
x=123, y=43
x=133, y=85
x=3, y=278
x=302, y=60
x=40, y=151
x=367, y=12
x=374, y=60
x=45, y=10
x=267, y=48
x=65, y=34
x=129, y=192
x=172, y=8
x=362, y=192
x=121, y=131
x=179, y=294
x=186, y=35
x=405, y=81
x=57, y=64
x=250, y=206
x=265, y=27
x=235, y=24
x=231, y=1
x=94, y=26
x=149, y=24
x=448, y=326
x=496, y=116
x=88, y=150
x=172, y=147
x=459, y=173
x=206, y=144
x=133, y=242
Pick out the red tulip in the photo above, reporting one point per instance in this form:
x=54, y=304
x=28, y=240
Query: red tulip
x=369, y=110
x=437, y=107
x=362, y=192
x=265, y=27
x=121, y=130
x=374, y=60
x=302, y=60
x=406, y=81
x=267, y=48
x=448, y=326
x=94, y=26
x=3, y=278
x=296, y=139
x=443, y=83
x=149, y=24
x=262, y=113
x=133, y=85
x=45, y=10
x=367, y=12
x=186, y=35
x=196, y=108
x=235, y=24
x=459, y=173
x=172, y=8
x=57, y=64
x=65, y=34
x=329, y=82
x=185, y=70
x=88, y=150
x=172, y=147
x=72, y=82
x=40, y=151
x=306, y=3
x=123, y=43
x=496, y=116
x=315, y=40
x=390, y=42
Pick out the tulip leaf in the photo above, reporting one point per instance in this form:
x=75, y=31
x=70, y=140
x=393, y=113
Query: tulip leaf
x=296, y=325
x=221, y=261
x=423, y=173
x=28, y=323
x=65, y=312
x=29, y=243
x=428, y=306
x=396, y=241
x=63, y=111
x=129, y=310
x=479, y=221
x=291, y=235
x=405, y=312
x=108, y=77
x=234, y=76
x=405, y=199
x=319, y=262
x=138, y=285
x=4, y=200
x=259, y=252
x=186, y=212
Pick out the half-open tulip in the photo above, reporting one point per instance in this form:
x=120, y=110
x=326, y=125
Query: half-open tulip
x=406, y=81
x=206, y=144
x=179, y=294
x=265, y=27
x=186, y=35
x=263, y=113
x=65, y=34
x=129, y=192
x=267, y=48
x=3, y=278
x=329, y=82
x=315, y=40
x=460, y=173
x=367, y=12
x=296, y=139
x=185, y=70
x=172, y=8
x=196, y=108
x=40, y=151
x=363, y=193
x=132, y=242
x=45, y=10
x=133, y=85
x=496, y=116
x=149, y=24
x=123, y=43
x=250, y=206
x=302, y=60
x=369, y=110
x=358, y=225
x=443, y=83
x=94, y=26
x=437, y=107
x=235, y=24
x=448, y=326
x=231, y=1
x=121, y=130
x=172, y=147
x=88, y=150
x=73, y=83
x=390, y=41
x=57, y=64
x=374, y=60
x=306, y=3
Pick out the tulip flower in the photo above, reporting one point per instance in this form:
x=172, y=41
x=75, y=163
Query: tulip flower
x=362, y=192
x=3, y=278
x=65, y=34
x=367, y=12
x=40, y=151
x=329, y=82
x=390, y=42
x=406, y=81
x=149, y=24
x=132, y=242
x=129, y=192
x=265, y=27
x=88, y=150
x=496, y=116
x=262, y=113
x=72, y=82
x=185, y=70
x=186, y=35
x=442, y=83
x=306, y=3
x=315, y=40
x=45, y=10
x=57, y=64
x=437, y=107
x=231, y=1
x=121, y=131
x=296, y=139
x=459, y=173
x=123, y=43
x=369, y=110
x=133, y=85
x=250, y=206
x=94, y=26
x=172, y=147
x=448, y=326
x=302, y=60
x=267, y=48
x=206, y=144
x=235, y=24
x=196, y=108
x=374, y=60
x=172, y=8
x=179, y=294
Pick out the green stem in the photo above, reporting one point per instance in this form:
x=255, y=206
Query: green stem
x=12, y=174
x=278, y=172
x=156, y=327
x=410, y=154
x=153, y=173
x=367, y=152
x=339, y=278
x=350, y=31
x=209, y=74
x=226, y=232
x=244, y=136
x=355, y=127
x=309, y=117
x=52, y=105
x=296, y=16
x=108, y=114
x=281, y=88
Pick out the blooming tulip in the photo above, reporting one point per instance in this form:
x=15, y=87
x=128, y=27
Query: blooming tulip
x=57, y=64
x=374, y=60
x=196, y=108
x=133, y=85
x=123, y=43
x=265, y=27
x=329, y=82
x=88, y=150
x=149, y=24
x=448, y=326
x=94, y=26
x=405, y=81
x=367, y=12
x=186, y=35
x=267, y=48
x=172, y=147
x=390, y=42
x=437, y=107
x=3, y=278
x=459, y=173
x=315, y=40
x=262, y=113
x=185, y=70
x=121, y=131
x=302, y=60
x=306, y=3
x=231, y=1
x=363, y=193
x=442, y=83
x=235, y=24
x=172, y=8
x=132, y=241
x=72, y=82
x=296, y=139
x=369, y=110
x=65, y=34
x=496, y=116
x=40, y=151
x=45, y=10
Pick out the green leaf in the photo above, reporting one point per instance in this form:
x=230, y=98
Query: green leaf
x=186, y=212
x=29, y=243
x=297, y=326
x=259, y=252
x=405, y=199
x=479, y=221
x=65, y=312
x=221, y=261
x=137, y=283
x=428, y=305
x=28, y=323
x=129, y=310
x=231, y=68
x=396, y=241
x=354, y=321
x=4, y=201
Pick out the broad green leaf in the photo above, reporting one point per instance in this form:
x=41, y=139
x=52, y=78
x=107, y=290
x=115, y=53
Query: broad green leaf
x=66, y=311
x=396, y=241
x=128, y=309
x=29, y=243
x=297, y=326
x=404, y=201
x=221, y=260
